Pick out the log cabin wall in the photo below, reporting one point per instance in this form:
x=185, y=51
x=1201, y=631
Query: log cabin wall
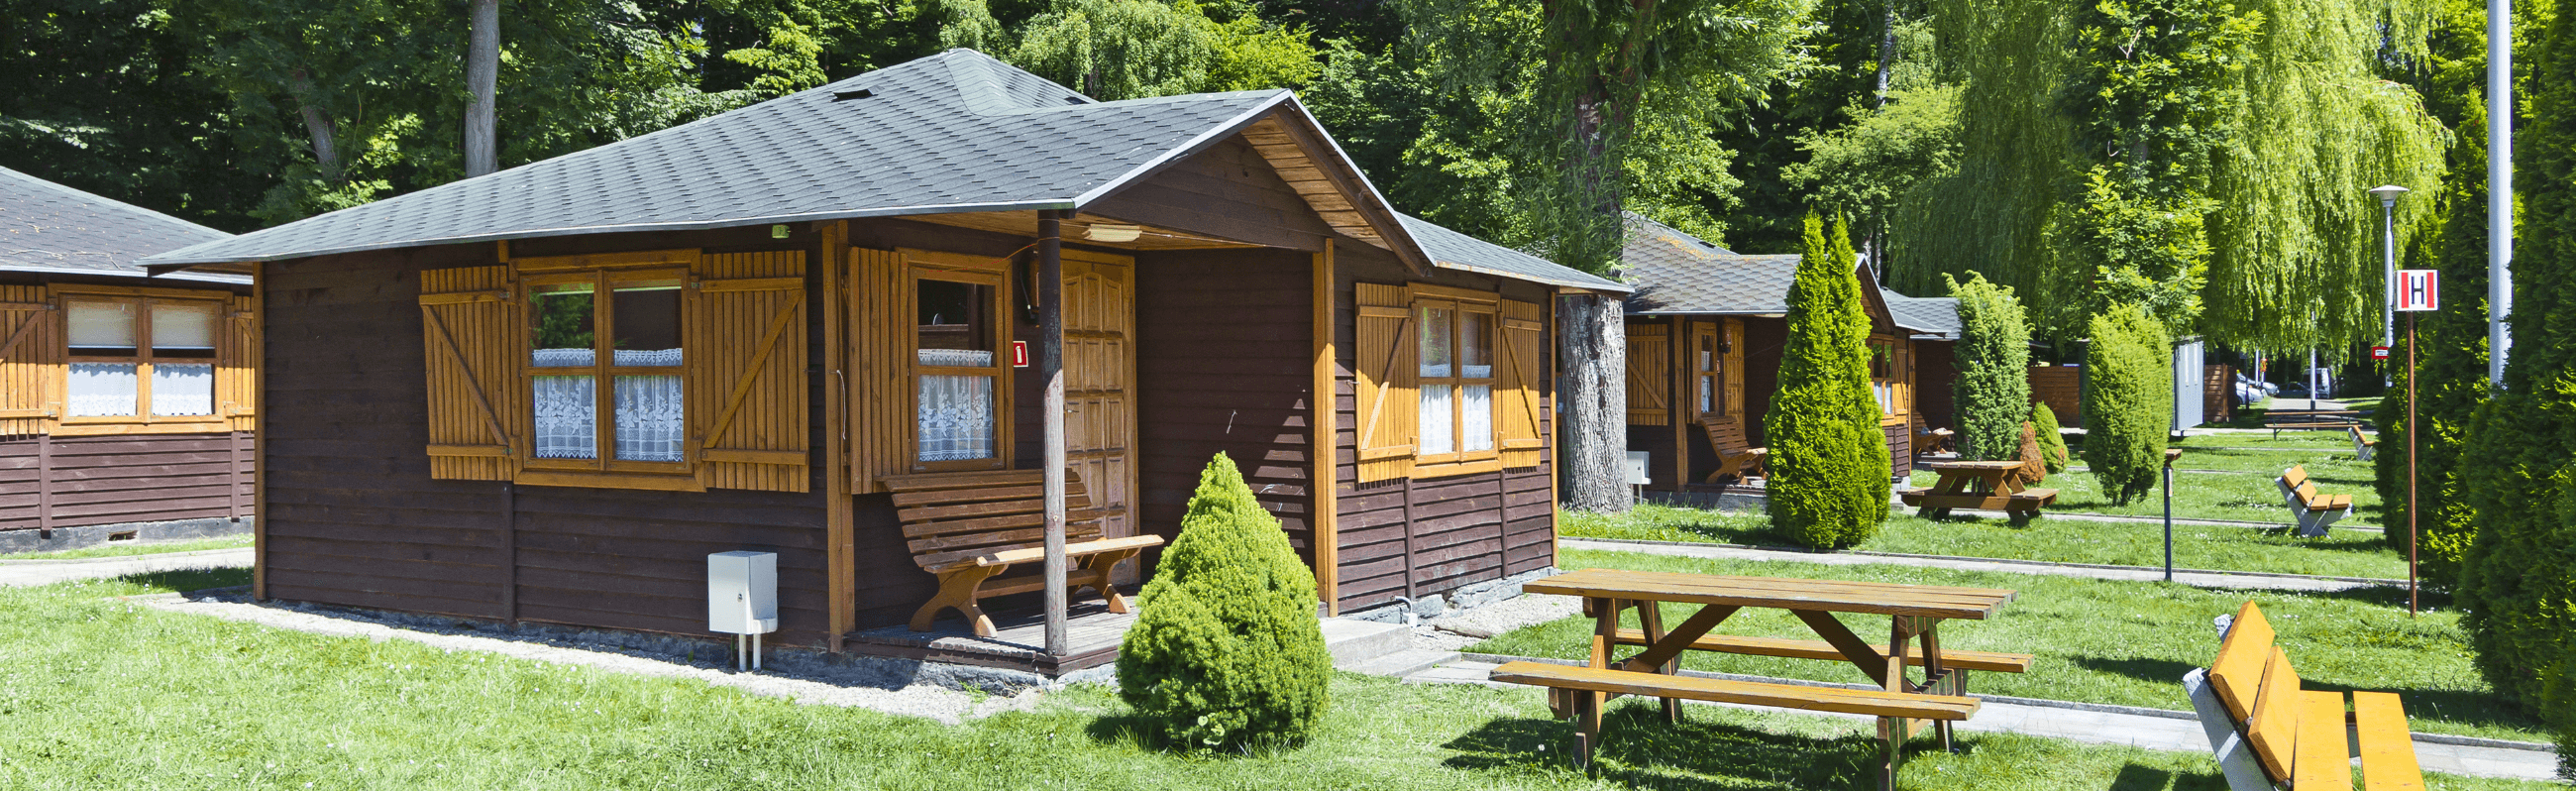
x=1224, y=365
x=1420, y=537
x=52, y=482
x=356, y=520
x=1936, y=371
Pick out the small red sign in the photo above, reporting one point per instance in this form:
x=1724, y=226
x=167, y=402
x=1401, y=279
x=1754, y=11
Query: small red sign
x=2419, y=289
x=1019, y=354
x=2379, y=352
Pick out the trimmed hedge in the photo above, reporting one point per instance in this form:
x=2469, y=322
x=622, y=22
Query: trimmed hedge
x=2052, y=439
x=1829, y=462
x=2128, y=401
x=2453, y=359
x=1993, y=383
x=1227, y=653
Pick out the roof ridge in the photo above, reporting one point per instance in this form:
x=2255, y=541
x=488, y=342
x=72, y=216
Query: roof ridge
x=85, y=195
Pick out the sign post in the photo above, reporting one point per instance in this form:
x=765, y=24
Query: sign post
x=2418, y=290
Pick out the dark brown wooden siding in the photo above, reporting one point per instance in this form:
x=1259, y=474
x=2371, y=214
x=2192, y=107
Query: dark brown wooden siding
x=1421, y=537
x=1936, y=374
x=1224, y=366
x=1763, y=340
x=356, y=520
x=106, y=480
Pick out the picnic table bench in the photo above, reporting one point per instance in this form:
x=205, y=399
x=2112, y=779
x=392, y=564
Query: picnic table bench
x=969, y=527
x=1735, y=455
x=2250, y=702
x=1989, y=485
x=1903, y=706
x=2314, y=511
x=2279, y=420
x=2363, y=446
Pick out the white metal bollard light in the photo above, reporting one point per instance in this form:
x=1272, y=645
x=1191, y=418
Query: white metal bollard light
x=742, y=600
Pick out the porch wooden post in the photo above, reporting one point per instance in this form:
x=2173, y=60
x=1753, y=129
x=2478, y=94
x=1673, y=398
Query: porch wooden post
x=1051, y=371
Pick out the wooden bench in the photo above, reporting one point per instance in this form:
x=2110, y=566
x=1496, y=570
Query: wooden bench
x=1870, y=702
x=2279, y=420
x=1818, y=649
x=1735, y=455
x=2268, y=732
x=1987, y=485
x=2313, y=511
x=2363, y=446
x=969, y=527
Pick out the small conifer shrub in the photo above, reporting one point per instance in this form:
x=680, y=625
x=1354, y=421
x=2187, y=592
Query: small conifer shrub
x=2128, y=401
x=1227, y=653
x=1993, y=385
x=2052, y=442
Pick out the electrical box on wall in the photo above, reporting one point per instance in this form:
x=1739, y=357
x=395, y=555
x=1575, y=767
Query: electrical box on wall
x=742, y=592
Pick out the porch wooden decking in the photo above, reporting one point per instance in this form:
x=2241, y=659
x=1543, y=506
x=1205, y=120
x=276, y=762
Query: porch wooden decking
x=1092, y=634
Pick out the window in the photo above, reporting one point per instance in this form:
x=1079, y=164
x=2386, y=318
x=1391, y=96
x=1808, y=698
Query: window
x=1889, y=380
x=662, y=369
x=958, y=369
x=1708, y=370
x=1449, y=381
x=145, y=359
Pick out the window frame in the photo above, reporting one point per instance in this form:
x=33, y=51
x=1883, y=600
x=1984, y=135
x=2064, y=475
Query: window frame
x=1895, y=381
x=1459, y=303
x=145, y=355
x=1003, y=327
x=1706, y=368
x=604, y=370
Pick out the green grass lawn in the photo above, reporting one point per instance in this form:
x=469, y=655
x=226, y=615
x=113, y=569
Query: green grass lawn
x=108, y=695
x=122, y=549
x=2301, y=439
x=2247, y=496
x=2113, y=642
x=2342, y=554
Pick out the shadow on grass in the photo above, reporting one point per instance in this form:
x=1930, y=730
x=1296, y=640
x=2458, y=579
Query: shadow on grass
x=1641, y=750
x=2133, y=777
x=188, y=580
x=1131, y=729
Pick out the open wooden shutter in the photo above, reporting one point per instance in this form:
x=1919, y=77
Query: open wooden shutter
x=1734, y=372
x=470, y=324
x=745, y=348
x=1520, y=393
x=1389, y=383
x=882, y=427
x=31, y=360
x=237, y=365
x=1650, y=349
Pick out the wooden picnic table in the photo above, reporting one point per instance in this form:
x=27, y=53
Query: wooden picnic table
x=1903, y=706
x=1990, y=485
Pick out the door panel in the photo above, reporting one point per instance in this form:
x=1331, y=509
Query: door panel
x=1099, y=376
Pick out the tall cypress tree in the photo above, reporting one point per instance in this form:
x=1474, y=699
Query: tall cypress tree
x=2517, y=587
x=1829, y=463
x=2128, y=401
x=1992, y=389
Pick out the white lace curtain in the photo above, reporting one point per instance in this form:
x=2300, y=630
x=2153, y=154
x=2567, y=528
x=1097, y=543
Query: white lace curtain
x=955, y=412
x=183, y=389
x=567, y=409
x=102, y=389
x=649, y=417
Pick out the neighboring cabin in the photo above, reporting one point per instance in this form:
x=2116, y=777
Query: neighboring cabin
x=126, y=403
x=1705, y=331
x=548, y=393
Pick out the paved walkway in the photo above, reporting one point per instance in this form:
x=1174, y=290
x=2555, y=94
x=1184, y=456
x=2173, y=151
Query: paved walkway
x=2143, y=728
x=19, y=573
x=2197, y=579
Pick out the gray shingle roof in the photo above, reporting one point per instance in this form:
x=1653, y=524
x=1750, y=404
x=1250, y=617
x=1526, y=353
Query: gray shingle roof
x=1929, y=317
x=1675, y=272
x=1453, y=250
x=49, y=227
x=957, y=131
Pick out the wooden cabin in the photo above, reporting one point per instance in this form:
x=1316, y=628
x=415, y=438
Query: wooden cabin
x=800, y=300
x=126, y=407
x=1705, y=331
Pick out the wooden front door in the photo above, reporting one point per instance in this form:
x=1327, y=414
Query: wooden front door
x=1099, y=381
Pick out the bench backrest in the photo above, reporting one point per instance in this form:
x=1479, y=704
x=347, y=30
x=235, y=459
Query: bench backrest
x=2355, y=430
x=1726, y=436
x=2254, y=680
x=2294, y=481
x=952, y=516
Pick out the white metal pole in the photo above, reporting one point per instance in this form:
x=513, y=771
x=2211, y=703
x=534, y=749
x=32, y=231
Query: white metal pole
x=2499, y=184
x=2388, y=272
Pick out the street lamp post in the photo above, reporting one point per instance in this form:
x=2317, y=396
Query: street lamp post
x=2388, y=245
x=2387, y=195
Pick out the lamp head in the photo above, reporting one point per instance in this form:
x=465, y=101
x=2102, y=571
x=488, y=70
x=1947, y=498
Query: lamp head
x=2388, y=194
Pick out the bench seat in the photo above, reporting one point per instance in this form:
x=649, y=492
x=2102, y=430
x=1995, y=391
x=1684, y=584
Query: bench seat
x=1818, y=649
x=967, y=528
x=1735, y=455
x=2313, y=511
x=2266, y=728
x=1874, y=703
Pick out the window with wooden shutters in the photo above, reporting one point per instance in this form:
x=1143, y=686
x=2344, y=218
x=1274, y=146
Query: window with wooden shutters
x=746, y=369
x=1708, y=371
x=1732, y=368
x=1520, y=397
x=1455, y=333
x=1649, y=355
x=470, y=326
x=237, y=366
x=1387, y=406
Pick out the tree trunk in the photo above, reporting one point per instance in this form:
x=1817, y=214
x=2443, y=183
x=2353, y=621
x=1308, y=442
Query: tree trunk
x=1886, y=54
x=326, y=156
x=1592, y=403
x=482, y=78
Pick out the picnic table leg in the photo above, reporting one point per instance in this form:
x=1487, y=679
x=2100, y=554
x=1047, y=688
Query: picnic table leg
x=1588, y=704
x=1937, y=676
x=1894, y=730
x=1651, y=618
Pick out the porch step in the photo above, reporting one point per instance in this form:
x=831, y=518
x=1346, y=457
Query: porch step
x=1354, y=642
x=1404, y=663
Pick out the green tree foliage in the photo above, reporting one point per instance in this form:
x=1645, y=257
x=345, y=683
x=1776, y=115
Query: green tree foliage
x=1798, y=150
x=1863, y=169
x=2128, y=401
x=1829, y=462
x=2052, y=437
x=1227, y=653
x=1992, y=389
x=2517, y=588
x=1133, y=49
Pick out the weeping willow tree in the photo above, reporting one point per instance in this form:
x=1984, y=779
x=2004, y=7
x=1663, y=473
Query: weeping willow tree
x=2289, y=227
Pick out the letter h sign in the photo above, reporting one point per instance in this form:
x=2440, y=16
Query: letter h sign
x=2418, y=289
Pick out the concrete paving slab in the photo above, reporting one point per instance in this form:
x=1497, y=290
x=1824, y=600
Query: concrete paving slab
x=20, y=573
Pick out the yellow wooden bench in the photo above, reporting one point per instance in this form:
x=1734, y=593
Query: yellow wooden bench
x=1735, y=455
x=969, y=527
x=2363, y=447
x=2314, y=511
x=2268, y=732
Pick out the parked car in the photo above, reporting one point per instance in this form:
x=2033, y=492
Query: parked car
x=2292, y=390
